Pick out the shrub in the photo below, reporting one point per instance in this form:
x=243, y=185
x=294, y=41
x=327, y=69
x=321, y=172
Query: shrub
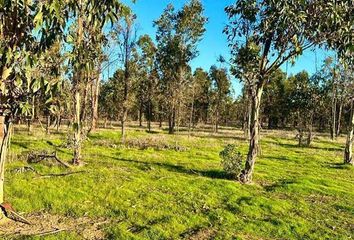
x=231, y=160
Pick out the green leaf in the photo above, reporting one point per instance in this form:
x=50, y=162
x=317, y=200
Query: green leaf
x=49, y=100
x=36, y=85
x=38, y=20
x=6, y=73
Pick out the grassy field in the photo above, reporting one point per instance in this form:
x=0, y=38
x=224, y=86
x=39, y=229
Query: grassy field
x=173, y=187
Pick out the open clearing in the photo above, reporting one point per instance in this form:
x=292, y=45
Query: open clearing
x=164, y=186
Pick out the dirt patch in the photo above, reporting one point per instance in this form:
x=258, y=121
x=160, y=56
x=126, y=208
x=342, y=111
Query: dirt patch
x=46, y=224
x=203, y=234
x=199, y=234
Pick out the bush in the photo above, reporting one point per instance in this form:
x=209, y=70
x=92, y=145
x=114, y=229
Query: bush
x=231, y=160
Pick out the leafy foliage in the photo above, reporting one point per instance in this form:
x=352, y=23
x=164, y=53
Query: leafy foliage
x=231, y=160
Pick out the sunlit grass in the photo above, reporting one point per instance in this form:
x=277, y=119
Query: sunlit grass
x=298, y=193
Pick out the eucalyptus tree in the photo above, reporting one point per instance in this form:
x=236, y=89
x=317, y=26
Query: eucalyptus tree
x=304, y=100
x=148, y=77
x=178, y=33
x=265, y=34
x=330, y=71
x=201, y=91
x=97, y=41
x=111, y=94
x=61, y=103
x=348, y=60
x=275, y=100
x=49, y=68
x=90, y=17
x=27, y=29
x=348, y=152
x=337, y=26
x=125, y=35
x=221, y=85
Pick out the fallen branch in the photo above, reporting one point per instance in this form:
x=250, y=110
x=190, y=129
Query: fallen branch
x=46, y=233
x=11, y=214
x=58, y=174
x=38, y=157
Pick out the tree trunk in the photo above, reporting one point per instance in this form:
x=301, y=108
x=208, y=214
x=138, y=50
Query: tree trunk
x=348, y=153
x=248, y=119
x=32, y=117
x=149, y=110
x=310, y=131
x=77, y=129
x=300, y=136
x=58, y=122
x=191, y=117
x=123, y=120
x=247, y=172
x=217, y=114
x=95, y=94
x=141, y=115
x=340, y=110
x=48, y=125
x=160, y=121
x=178, y=116
x=171, y=121
x=334, y=108
x=5, y=135
x=29, y=125
x=84, y=99
x=77, y=97
x=309, y=137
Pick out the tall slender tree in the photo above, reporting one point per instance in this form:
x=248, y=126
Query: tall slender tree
x=89, y=16
x=348, y=152
x=264, y=35
x=125, y=33
x=202, y=87
x=27, y=29
x=221, y=85
x=178, y=34
x=148, y=77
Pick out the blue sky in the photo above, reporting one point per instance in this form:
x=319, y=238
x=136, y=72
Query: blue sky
x=214, y=42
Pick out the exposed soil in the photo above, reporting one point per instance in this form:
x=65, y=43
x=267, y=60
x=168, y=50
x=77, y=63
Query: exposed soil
x=46, y=224
x=203, y=234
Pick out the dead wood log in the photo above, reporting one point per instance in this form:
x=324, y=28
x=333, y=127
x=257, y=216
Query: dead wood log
x=38, y=157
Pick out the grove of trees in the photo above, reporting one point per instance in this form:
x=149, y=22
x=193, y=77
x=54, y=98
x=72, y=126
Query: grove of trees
x=53, y=55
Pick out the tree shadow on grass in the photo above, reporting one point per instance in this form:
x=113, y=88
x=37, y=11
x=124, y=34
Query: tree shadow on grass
x=283, y=183
x=341, y=166
x=22, y=144
x=152, y=132
x=213, y=173
x=244, y=200
x=281, y=158
x=221, y=137
x=331, y=149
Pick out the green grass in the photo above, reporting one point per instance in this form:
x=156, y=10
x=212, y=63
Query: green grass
x=298, y=193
